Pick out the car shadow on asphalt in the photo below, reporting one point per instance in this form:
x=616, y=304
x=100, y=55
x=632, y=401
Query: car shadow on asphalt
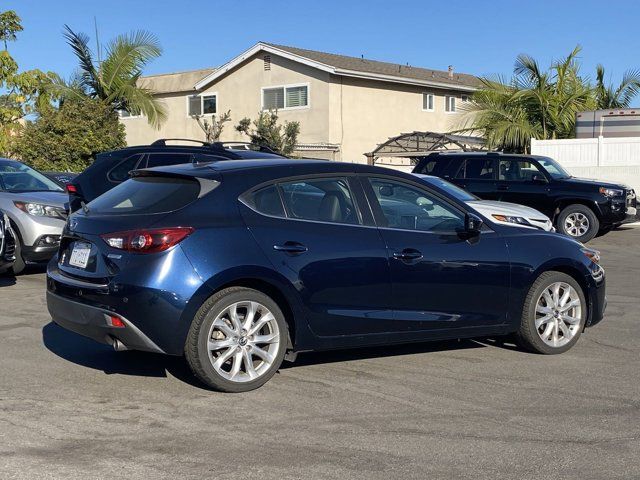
x=7, y=280
x=332, y=356
x=88, y=353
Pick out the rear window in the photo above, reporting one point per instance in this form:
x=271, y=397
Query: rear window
x=120, y=172
x=146, y=195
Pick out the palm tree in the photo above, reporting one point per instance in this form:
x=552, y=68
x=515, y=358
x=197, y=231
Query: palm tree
x=533, y=104
x=115, y=79
x=619, y=97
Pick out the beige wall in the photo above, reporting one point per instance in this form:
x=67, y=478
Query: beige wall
x=355, y=113
x=365, y=113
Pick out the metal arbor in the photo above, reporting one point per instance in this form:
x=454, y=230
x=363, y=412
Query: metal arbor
x=416, y=144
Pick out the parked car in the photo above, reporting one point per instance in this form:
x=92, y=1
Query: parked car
x=112, y=168
x=63, y=178
x=36, y=209
x=510, y=214
x=7, y=244
x=580, y=208
x=235, y=264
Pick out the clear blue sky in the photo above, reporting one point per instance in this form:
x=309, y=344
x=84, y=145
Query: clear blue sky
x=479, y=37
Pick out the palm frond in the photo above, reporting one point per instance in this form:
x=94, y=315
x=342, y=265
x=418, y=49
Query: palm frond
x=79, y=43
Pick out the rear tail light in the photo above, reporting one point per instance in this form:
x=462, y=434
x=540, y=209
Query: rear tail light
x=148, y=240
x=71, y=188
x=115, y=321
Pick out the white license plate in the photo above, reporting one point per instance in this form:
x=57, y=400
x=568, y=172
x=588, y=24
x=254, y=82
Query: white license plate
x=80, y=255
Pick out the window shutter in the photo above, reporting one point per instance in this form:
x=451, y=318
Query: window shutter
x=273, y=98
x=195, y=105
x=296, y=97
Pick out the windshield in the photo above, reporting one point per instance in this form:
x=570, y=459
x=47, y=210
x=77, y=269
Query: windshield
x=450, y=188
x=17, y=177
x=553, y=168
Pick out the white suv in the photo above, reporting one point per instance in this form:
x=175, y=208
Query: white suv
x=37, y=211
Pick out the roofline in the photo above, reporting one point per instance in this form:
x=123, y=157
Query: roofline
x=320, y=66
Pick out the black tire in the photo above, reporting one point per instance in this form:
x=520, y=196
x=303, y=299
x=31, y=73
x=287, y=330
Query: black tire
x=578, y=209
x=19, y=265
x=196, y=351
x=527, y=335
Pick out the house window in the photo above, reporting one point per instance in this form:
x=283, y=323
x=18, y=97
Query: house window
x=450, y=104
x=465, y=98
x=277, y=98
x=202, y=104
x=123, y=113
x=427, y=102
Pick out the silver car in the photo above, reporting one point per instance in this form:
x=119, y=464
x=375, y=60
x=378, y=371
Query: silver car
x=36, y=207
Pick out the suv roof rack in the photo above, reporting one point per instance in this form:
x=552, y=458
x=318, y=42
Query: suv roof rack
x=162, y=142
x=246, y=145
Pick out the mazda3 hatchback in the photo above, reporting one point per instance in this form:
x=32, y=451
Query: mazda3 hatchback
x=237, y=264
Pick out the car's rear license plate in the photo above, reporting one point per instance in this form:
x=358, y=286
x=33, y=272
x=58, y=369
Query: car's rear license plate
x=80, y=255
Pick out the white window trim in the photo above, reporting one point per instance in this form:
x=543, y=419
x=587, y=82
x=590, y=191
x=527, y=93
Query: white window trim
x=433, y=103
x=201, y=95
x=446, y=104
x=290, y=85
x=130, y=117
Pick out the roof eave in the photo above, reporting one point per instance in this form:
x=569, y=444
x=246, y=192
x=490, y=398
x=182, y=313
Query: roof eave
x=324, y=67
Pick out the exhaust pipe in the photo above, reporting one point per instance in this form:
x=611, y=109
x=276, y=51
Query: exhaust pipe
x=117, y=345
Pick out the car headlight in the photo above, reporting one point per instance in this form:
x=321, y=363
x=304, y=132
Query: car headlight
x=510, y=219
x=611, y=192
x=40, y=210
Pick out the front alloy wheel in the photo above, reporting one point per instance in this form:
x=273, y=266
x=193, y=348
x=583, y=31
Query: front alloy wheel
x=237, y=340
x=553, y=314
x=558, y=314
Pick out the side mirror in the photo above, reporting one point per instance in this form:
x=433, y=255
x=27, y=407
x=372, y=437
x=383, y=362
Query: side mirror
x=472, y=223
x=386, y=191
x=538, y=178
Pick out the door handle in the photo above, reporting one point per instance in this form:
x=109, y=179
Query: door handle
x=408, y=254
x=503, y=187
x=292, y=248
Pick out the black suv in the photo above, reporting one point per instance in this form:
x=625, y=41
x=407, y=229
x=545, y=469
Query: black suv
x=578, y=207
x=112, y=168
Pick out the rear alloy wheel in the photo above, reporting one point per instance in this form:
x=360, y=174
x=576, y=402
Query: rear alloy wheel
x=237, y=340
x=554, y=314
x=579, y=222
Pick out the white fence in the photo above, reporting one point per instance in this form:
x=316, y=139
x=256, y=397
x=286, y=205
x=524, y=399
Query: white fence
x=615, y=159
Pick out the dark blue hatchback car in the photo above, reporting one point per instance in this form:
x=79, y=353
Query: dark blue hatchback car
x=235, y=264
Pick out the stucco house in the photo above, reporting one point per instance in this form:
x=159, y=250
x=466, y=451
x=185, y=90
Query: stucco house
x=345, y=105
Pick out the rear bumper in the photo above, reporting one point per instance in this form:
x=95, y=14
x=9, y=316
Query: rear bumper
x=94, y=323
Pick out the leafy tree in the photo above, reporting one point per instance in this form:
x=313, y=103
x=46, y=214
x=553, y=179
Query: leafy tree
x=535, y=103
x=115, y=80
x=68, y=137
x=266, y=132
x=610, y=96
x=23, y=93
x=213, y=129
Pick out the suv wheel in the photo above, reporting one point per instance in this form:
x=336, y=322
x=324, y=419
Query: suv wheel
x=237, y=340
x=579, y=222
x=553, y=315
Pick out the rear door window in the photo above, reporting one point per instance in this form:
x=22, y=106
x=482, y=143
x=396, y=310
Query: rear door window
x=267, y=201
x=320, y=199
x=146, y=195
x=480, y=168
x=120, y=172
x=433, y=166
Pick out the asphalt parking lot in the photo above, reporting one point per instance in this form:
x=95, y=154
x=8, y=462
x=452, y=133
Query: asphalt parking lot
x=71, y=408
